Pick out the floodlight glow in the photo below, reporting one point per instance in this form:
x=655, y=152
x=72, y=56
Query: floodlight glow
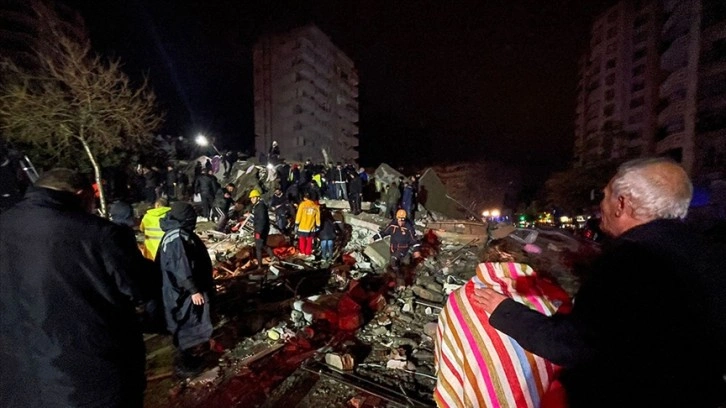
x=201, y=140
x=485, y=213
x=495, y=213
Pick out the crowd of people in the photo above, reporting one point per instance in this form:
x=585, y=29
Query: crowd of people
x=646, y=327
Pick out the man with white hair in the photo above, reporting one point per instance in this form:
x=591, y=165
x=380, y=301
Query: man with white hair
x=647, y=326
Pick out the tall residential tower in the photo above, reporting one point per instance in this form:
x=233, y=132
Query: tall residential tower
x=305, y=96
x=653, y=82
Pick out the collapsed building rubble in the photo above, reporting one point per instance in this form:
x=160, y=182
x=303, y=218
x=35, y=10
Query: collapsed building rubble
x=351, y=333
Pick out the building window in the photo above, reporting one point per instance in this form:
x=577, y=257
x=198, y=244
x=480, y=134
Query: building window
x=610, y=79
x=637, y=86
x=609, y=94
x=635, y=102
x=675, y=126
x=610, y=64
x=297, y=109
x=639, y=69
x=639, y=54
x=610, y=48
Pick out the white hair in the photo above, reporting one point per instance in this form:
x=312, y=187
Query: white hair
x=656, y=187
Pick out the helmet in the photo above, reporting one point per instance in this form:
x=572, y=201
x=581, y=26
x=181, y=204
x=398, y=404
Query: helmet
x=254, y=193
x=401, y=214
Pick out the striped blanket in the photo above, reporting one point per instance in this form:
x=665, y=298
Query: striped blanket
x=478, y=366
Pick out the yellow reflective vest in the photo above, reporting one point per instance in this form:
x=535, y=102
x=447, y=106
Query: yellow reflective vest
x=152, y=230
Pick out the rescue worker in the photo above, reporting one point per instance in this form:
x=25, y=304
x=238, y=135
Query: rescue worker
x=261, y=224
x=403, y=238
x=151, y=228
x=307, y=222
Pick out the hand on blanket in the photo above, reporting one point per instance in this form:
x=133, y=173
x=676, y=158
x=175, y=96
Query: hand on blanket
x=488, y=299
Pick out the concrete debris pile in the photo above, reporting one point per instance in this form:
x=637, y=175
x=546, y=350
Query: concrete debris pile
x=358, y=321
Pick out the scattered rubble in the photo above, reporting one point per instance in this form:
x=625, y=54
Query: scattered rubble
x=353, y=333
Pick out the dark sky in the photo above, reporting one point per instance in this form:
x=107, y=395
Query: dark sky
x=439, y=81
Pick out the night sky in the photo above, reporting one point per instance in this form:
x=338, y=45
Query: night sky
x=439, y=81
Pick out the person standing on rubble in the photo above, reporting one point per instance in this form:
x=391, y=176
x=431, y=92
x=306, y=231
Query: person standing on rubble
x=338, y=177
x=408, y=200
x=355, y=187
x=206, y=186
x=392, y=199
x=274, y=154
x=222, y=202
x=261, y=223
x=329, y=230
x=307, y=222
x=403, y=238
x=647, y=328
x=187, y=288
x=69, y=284
x=281, y=207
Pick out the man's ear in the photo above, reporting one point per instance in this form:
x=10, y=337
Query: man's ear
x=622, y=207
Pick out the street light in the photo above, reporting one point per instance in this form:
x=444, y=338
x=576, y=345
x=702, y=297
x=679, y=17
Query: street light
x=202, y=140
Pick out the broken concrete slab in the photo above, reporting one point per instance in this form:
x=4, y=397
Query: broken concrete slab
x=362, y=223
x=459, y=231
x=427, y=294
x=379, y=251
x=384, y=175
x=434, y=196
x=344, y=204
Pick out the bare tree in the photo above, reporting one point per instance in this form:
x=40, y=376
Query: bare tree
x=75, y=100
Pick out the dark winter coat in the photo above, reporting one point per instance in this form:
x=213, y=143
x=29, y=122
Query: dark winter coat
x=69, y=335
x=355, y=186
x=407, y=199
x=647, y=329
x=393, y=197
x=206, y=185
x=329, y=227
x=186, y=269
x=223, y=200
x=261, y=218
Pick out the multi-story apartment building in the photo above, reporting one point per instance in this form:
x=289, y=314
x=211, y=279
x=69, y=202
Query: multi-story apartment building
x=305, y=96
x=647, y=84
x=710, y=142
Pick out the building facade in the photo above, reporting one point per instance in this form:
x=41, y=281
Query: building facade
x=305, y=97
x=649, y=85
